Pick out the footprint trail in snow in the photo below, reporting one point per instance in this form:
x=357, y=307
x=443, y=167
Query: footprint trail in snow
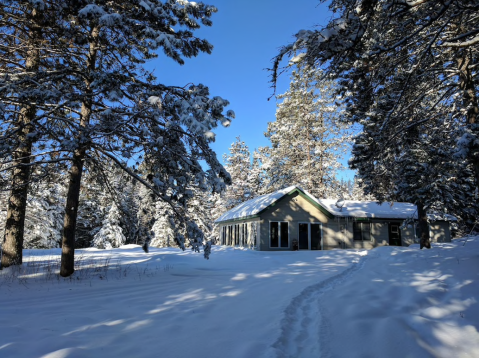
x=303, y=327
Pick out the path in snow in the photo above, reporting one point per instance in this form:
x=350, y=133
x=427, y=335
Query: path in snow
x=404, y=302
x=303, y=327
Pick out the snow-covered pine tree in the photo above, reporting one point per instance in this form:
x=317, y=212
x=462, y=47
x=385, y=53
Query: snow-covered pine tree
x=128, y=202
x=109, y=42
x=430, y=42
x=352, y=189
x=256, y=175
x=167, y=228
x=200, y=210
x=239, y=166
x=100, y=111
x=405, y=67
x=414, y=164
x=164, y=227
x=93, y=207
x=307, y=138
x=270, y=176
x=145, y=215
x=88, y=56
x=28, y=86
x=121, y=188
x=111, y=234
x=44, y=215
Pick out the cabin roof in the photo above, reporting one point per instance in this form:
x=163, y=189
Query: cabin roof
x=331, y=207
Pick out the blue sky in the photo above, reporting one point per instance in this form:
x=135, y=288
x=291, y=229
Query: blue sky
x=246, y=35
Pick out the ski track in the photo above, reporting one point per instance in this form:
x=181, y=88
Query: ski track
x=303, y=326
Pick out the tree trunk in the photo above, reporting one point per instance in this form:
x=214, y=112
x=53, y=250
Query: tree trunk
x=466, y=83
x=425, y=240
x=73, y=195
x=71, y=211
x=12, y=247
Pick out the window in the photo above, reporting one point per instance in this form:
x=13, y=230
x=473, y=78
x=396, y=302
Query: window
x=279, y=234
x=230, y=235
x=223, y=236
x=361, y=231
x=237, y=235
x=242, y=242
x=246, y=234
x=395, y=229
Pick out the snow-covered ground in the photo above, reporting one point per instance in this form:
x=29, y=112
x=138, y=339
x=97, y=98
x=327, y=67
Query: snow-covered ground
x=387, y=302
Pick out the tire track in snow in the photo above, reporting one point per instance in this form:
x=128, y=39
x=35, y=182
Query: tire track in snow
x=303, y=327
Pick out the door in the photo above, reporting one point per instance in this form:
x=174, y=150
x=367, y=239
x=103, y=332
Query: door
x=315, y=236
x=309, y=236
x=394, y=234
x=303, y=237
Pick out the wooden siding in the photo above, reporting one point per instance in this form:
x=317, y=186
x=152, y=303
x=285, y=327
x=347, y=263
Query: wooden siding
x=440, y=231
x=293, y=209
x=408, y=236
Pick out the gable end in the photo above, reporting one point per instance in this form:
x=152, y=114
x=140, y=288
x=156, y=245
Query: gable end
x=304, y=196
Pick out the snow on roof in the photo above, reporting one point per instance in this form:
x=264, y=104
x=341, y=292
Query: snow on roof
x=254, y=206
x=373, y=209
x=345, y=208
x=369, y=209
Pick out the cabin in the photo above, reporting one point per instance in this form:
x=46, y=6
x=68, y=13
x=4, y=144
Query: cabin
x=293, y=219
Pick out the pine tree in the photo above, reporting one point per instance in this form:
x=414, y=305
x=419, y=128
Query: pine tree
x=44, y=216
x=145, y=215
x=111, y=234
x=94, y=203
x=109, y=42
x=407, y=75
x=128, y=207
x=356, y=191
x=25, y=85
x=218, y=208
x=307, y=137
x=238, y=164
x=163, y=229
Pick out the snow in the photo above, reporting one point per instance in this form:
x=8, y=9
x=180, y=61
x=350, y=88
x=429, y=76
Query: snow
x=296, y=59
x=386, y=302
x=369, y=209
x=91, y=10
x=373, y=209
x=254, y=206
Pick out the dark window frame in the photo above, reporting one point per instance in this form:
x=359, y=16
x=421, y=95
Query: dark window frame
x=362, y=231
x=281, y=242
x=230, y=235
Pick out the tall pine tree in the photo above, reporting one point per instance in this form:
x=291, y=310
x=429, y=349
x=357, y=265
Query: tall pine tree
x=307, y=138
